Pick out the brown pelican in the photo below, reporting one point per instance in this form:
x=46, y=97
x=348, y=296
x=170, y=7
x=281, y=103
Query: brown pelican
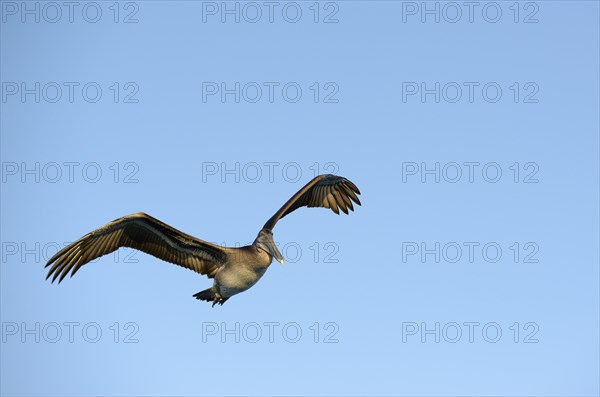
x=234, y=269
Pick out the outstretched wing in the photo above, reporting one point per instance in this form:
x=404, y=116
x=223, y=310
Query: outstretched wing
x=144, y=233
x=327, y=191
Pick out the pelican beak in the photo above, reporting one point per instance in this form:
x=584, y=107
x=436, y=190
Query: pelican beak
x=274, y=251
x=277, y=256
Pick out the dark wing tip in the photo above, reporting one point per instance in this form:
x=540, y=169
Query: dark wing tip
x=56, y=274
x=352, y=186
x=347, y=189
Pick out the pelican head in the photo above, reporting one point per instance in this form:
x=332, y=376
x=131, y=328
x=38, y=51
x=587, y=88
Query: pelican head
x=264, y=241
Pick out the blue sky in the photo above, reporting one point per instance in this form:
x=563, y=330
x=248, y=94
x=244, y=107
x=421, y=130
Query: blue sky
x=472, y=132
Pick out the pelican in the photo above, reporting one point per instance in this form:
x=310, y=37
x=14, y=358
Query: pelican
x=234, y=269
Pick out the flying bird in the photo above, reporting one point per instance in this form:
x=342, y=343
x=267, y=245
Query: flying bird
x=234, y=269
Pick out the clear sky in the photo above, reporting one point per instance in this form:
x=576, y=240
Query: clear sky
x=472, y=267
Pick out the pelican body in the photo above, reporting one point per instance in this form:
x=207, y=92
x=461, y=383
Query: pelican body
x=245, y=266
x=234, y=269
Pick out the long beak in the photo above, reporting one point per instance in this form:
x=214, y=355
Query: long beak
x=274, y=251
x=278, y=257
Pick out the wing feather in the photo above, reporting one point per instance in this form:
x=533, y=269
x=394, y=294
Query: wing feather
x=332, y=203
x=340, y=201
x=142, y=232
x=325, y=191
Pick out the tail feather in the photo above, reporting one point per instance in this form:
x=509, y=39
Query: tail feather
x=206, y=295
x=210, y=295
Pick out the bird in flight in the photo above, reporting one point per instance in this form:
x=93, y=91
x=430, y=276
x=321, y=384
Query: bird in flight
x=234, y=269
